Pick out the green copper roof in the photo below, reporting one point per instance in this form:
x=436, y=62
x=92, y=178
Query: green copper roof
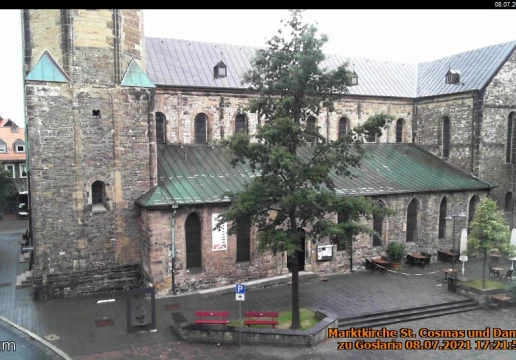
x=47, y=69
x=200, y=174
x=135, y=76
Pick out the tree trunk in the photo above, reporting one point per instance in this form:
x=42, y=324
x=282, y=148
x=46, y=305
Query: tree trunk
x=484, y=270
x=296, y=319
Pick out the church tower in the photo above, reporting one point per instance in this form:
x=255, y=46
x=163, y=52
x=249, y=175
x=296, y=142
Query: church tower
x=89, y=119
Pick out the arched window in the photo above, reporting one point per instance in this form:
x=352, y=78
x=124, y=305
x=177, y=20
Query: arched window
x=378, y=227
x=97, y=192
x=201, y=122
x=341, y=245
x=399, y=130
x=311, y=129
x=412, y=221
x=446, y=137
x=508, y=203
x=343, y=127
x=243, y=236
x=510, y=157
x=443, y=211
x=472, y=209
x=193, y=241
x=160, y=128
x=241, y=125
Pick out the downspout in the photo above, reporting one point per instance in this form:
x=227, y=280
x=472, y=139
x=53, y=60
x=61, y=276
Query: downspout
x=173, y=248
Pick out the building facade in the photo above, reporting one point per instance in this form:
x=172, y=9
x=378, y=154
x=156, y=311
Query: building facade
x=108, y=111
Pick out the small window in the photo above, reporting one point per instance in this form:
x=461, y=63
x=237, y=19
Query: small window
x=443, y=210
x=160, y=128
x=95, y=113
x=343, y=127
x=20, y=148
x=23, y=170
x=97, y=193
x=452, y=77
x=399, y=130
x=3, y=148
x=241, y=124
x=508, y=203
x=10, y=169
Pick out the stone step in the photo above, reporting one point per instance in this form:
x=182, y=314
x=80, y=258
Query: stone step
x=24, y=279
x=409, y=314
x=25, y=257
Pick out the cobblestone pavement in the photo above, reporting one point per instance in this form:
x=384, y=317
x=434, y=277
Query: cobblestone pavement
x=71, y=322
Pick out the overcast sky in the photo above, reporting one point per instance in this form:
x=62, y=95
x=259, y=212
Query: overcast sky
x=397, y=35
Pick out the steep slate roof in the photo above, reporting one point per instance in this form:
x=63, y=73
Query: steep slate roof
x=200, y=174
x=172, y=62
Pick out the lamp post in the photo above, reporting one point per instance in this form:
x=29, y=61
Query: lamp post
x=455, y=211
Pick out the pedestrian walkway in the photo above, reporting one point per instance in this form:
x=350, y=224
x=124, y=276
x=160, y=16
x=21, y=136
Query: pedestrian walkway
x=88, y=330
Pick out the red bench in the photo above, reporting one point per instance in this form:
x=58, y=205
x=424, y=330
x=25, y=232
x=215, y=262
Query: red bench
x=257, y=318
x=212, y=317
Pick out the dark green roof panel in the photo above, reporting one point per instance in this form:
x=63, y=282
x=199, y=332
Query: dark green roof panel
x=201, y=174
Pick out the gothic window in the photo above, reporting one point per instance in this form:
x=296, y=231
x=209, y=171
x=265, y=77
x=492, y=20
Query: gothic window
x=311, y=129
x=510, y=157
x=446, y=138
x=399, y=130
x=412, y=221
x=342, y=245
x=243, y=236
x=193, y=241
x=343, y=127
x=472, y=209
x=160, y=128
x=443, y=210
x=201, y=122
x=378, y=227
x=241, y=125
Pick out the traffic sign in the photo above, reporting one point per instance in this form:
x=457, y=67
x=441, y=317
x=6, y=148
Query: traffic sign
x=240, y=289
x=240, y=297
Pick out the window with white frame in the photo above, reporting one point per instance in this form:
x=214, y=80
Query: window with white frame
x=10, y=168
x=20, y=148
x=3, y=147
x=23, y=170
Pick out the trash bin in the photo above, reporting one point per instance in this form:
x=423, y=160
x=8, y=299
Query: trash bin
x=452, y=284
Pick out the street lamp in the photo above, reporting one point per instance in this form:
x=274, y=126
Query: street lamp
x=455, y=211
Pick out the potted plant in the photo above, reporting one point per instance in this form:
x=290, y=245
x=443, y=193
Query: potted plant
x=396, y=251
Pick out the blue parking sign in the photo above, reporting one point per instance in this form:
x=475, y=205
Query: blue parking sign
x=240, y=289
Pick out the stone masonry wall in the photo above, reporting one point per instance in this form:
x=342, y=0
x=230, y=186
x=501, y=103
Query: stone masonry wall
x=180, y=109
x=499, y=102
x=218, y=267
x=459, y=109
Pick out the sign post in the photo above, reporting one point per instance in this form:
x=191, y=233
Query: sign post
x=240, y=296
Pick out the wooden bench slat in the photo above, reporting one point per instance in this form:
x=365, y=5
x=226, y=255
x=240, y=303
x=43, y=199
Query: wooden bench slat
x=261, y=314
x=212, y=313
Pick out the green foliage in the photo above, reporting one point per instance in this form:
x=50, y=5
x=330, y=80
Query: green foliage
x=7, y=188
x=296, y=180
x=489, y=230
x=396, y=251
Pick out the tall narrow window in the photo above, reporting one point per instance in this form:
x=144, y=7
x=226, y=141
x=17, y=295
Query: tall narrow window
x=160, y=128
x=243, y=241
x=201, y=122
x=472, y=209
x=311, y=129
x=97, y=192
x=443, y=210
x=241, y=124
x=508, y=204
x=510, y=148
x=341, y=245
x=193, y=242
x=378, y=228
x=10, y=169
x=343, y=127
x=446, y=138
x=412, y=222
x=399, y=130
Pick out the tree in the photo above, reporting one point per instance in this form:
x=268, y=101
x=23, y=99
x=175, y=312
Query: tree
x=7, y=188
x=489, y=231
x=296, y=182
